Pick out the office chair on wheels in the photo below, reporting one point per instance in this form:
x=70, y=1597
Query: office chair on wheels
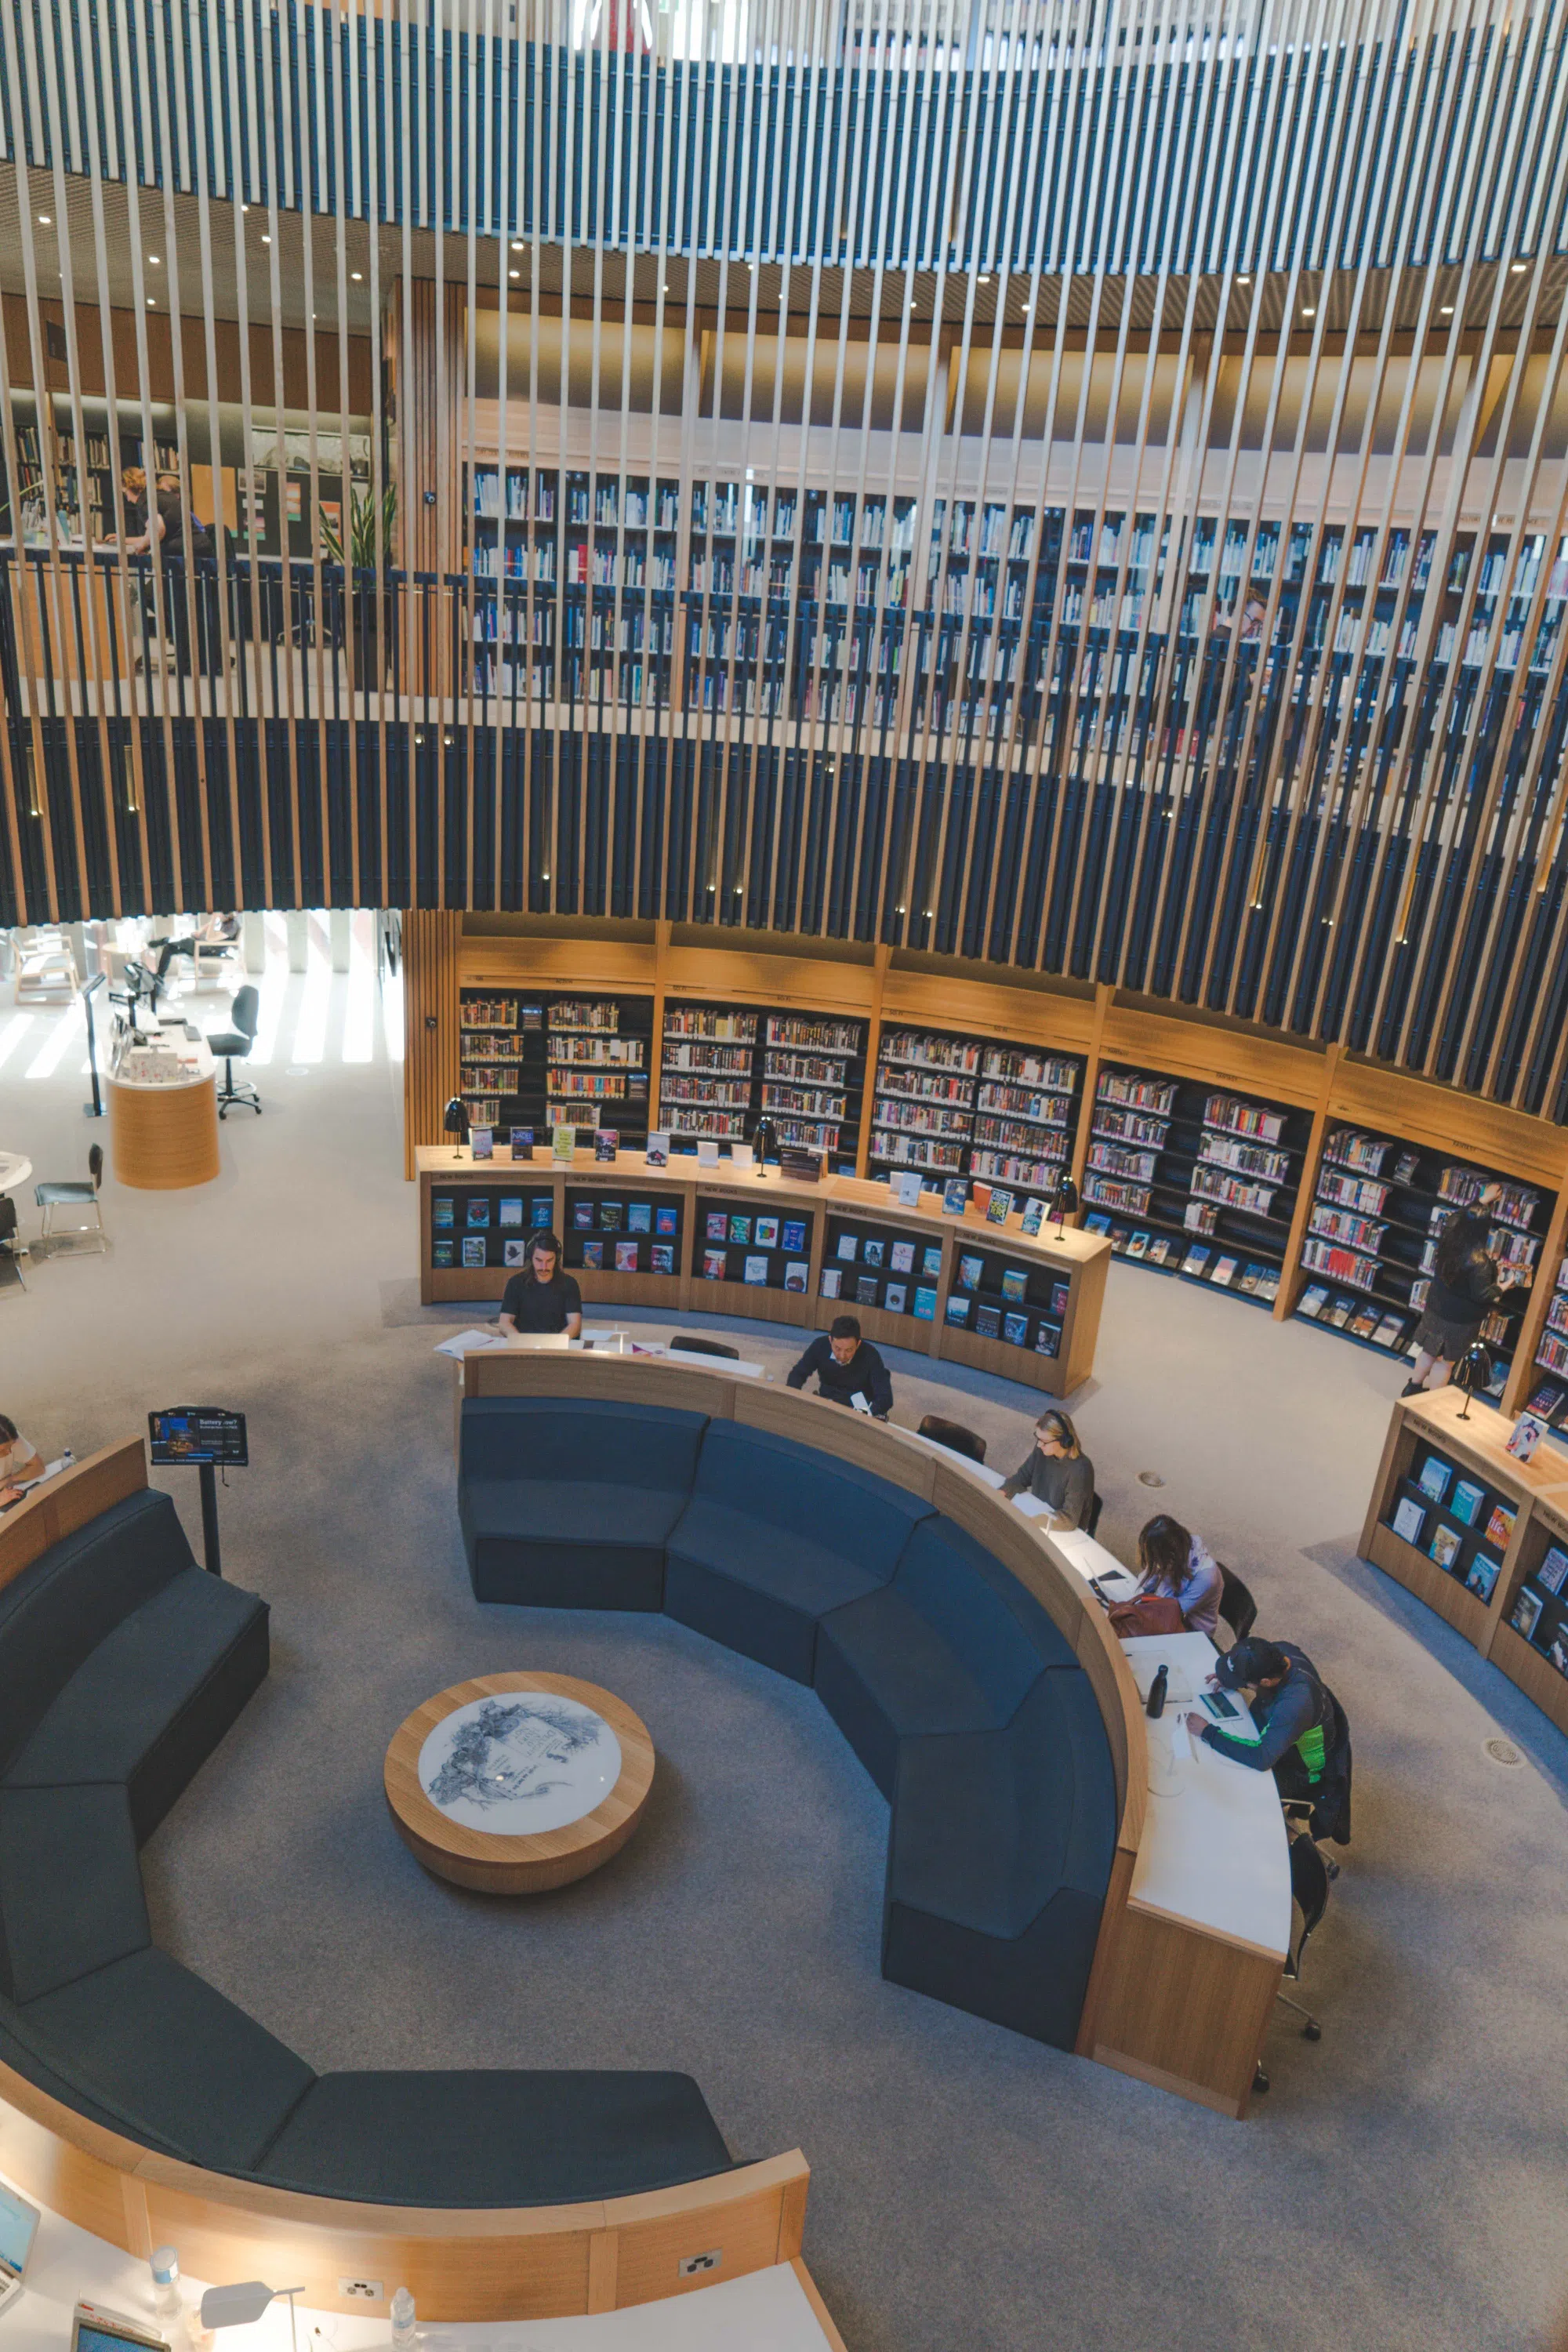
x=1310, y=1896
x=687, y=1344
x=1237, y=1605
x=233, y=1045
x=954, y=1435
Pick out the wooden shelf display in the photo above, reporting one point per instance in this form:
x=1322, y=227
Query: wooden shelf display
x=722, y=1068
x=996, y=1297
x=538, y=1062
x=888, y=1275
x=1548, y=1396
x=1371, y=1237
x=626, y=1234
x=951, y=1105
x=1479, y=1536
x=756, y=1246
x=1194, y=1180
x=478, y=1225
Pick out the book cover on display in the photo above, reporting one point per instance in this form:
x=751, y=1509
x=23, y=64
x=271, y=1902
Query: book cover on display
x=905, y=1184
x=1339, y=1313
x=1097, y=1222
x=1467, y=1500
x=999, y=1207
x=796, y=1274
x=716, y=1226
x=970, y=1270
x=832, y=1282
x=901, y=1258
x=1499, y=1527
x=791, y=1234
x=1313, y=1299
x=582, y=1216
x=1047, y=1339
x=767, y=1233
x=657, y=1151
x=478, y=1212
x=1224, y=1273
x=473, y=1249
x=1435, y=1477
x=593, y=1255
x=539, y=1211
x=1195, y=1260
x=522, y=1143
x=865, y=1290
x=1525, y=1435
x=1409, y=1519
x=987, y=1321
x=1389, y=1332
x=666, y=1219
x=1553, y=1568
x=707, y=1151
x=930, y=1261
x=1138, y=1246
x=611, y=1213
x=873, y=1251
x=1034, y=1214
x=741, y=1230
x=443, y=1211
x=441, y=1252
x=605, y=1140
x=955, y=1193
x=562, y=1144
x=482, y=1142
x=925, y=1304
x=957, y=1308
x=511, y=1212
x=639, y=1217
x=1444, y=1548
x=626, y=1257
x=514, y=1253
x=662, y=1258
x=1060, y=1293
x=1527, y=1612
x=1015, y=1330
x=893, y=1298
x=756, y=1270
x=715, y=1266
x=1015, y=1284
x=1363, y=1323
x=1482, y=1574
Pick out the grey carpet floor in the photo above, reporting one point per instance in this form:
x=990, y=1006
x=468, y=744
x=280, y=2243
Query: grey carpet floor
x=1400, y=2187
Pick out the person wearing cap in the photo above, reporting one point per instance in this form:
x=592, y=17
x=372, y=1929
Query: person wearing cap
x=846, y=1367
x=1293, y=1709
x=1056, y=1472
x=20, y=1462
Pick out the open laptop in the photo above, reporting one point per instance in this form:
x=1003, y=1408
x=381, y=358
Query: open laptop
x=18, y=2228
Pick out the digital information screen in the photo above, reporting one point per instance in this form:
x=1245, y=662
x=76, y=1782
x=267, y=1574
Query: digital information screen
x=196, y=1434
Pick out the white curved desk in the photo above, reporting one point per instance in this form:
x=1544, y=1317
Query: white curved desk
x=14, y=1170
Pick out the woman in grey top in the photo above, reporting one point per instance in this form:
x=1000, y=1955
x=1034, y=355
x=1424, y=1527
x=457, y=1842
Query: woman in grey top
x=1056, y=1471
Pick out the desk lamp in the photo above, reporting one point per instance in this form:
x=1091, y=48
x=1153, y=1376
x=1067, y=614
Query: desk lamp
x=1471, y=1373
x=455, y=1122
x=238, y=2306
x=764, y=1139
x=1064, y=1200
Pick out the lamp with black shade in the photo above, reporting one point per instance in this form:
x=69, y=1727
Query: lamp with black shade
x=455, y=1122
x=1472, y=1374
x=1064, y=1200
x=764, y=1139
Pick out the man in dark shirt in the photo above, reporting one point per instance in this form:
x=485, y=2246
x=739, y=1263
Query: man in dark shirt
x=846, y=1367
x=545, y=1298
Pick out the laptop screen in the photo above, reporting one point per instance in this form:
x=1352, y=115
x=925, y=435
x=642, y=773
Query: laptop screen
x=18, y=2222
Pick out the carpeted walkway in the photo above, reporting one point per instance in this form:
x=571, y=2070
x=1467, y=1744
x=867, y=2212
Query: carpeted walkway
x=1400, y=2187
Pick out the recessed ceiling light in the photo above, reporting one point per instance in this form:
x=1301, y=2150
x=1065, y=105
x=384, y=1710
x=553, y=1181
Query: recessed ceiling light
x=265, y=238
x=984, y=281
x=153, y=259
x=44, y=219
x=356, y=275
x=1448, y=309
x=1244, y=279
x=517, y=245
x=1518, y=269
x=151, y=305
x=514, y=273
x=1308, y=314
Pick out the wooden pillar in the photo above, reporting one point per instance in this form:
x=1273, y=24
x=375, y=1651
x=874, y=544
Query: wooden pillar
x=1521, y=1372
x=882, y=956
x=1103, y=995
x=431, y=938
x=1292, y=1278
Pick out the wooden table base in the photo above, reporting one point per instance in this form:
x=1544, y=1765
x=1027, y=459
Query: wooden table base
x=164, y=1137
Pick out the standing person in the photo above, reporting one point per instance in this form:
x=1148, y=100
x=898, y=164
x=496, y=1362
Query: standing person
x=846, y=1367
x=545, y=1297
x=19, y=1460
x=1462, y=1292
x=1175, y=1565
x=1056, y=1471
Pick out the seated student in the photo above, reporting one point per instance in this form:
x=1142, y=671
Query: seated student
x=1305, y=1740
x=545, y=1297
x=1056, y=1471
x=847, y=1366
x=1175, y=1565
x=19, y=1460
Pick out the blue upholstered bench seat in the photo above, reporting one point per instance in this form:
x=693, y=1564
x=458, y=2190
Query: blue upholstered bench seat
x=775, y=1538
x=952, y=1643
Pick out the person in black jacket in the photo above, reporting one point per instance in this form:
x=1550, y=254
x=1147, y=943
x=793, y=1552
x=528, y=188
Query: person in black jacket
x=1462, y=1292
x=846, y=1367
x=1303, y=1736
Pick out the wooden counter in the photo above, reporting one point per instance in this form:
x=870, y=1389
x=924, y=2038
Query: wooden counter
x=164, y=1135
x=1061, y=1274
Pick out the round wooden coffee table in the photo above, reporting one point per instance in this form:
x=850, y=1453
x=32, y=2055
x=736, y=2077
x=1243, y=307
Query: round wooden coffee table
x=517, y=1783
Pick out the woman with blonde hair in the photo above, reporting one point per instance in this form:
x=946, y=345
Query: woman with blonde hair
x=1056, y=1471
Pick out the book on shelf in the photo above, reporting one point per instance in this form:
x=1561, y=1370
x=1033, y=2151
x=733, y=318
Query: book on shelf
x=865, y=1290
x=931, y=1260
x=626, y=1257
x=1015, y=1330
x=1014, y=1285
x=831, y=1283
x=1526, y=1610
x=715, y=1225
x=563, y=1143
x=611, y=1213
x=1481, y=1576
x=442, y=1213
x=1390, y=1332
x=999, y=1207
x=1363, y=1323
x=715, y=1266
x=1313, y=1299
x=478, y=1214
x=766, y=1232
x=1553, y=1568
x=593, y=1255
x=441, y=1252
x=658, y=1148
x=756, y=1269
x=955, y=1193
x=514, y=1253
x=987, y=1321
x=539, y=1211
x=970, y=1270
x=901, y=1258
x=1499, y=1526
x=639, y=1217
x=791, y=1234
x=1034, y=1215
x=849, y=1248
x=1436, y=1478
x=1339, y=1312
x=509, y=1210
x=925, y=1304
x=473, y=1249
x=1465, y=1500
x=1224, y=1271
x=797, y=1271
x=662, y=1258
x=740, y=1229
x=874, y=1250
x=1048, y=1338
x=1138, y=1246
x=905, y=1186
x=1443, y=1548
x=1409, y=1519
x=1196, y=1259
x=1097, y=1223
x=957, y=1308
x=894, y=1296
x=1121, y=1236
x=482, y=1142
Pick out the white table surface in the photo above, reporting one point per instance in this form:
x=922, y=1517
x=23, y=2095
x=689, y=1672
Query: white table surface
x=767, y=2311
x=14, y=1170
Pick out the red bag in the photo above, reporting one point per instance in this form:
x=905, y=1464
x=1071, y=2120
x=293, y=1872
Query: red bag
x=1152, y=1612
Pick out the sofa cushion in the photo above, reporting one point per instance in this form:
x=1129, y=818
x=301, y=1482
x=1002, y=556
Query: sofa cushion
x=798, y=1491
x=63, y=1604
x=552, y=1545
x=589, y=1445
x=145, y=2039
x=495, y=2138
x=70, y=1890
x=756, y=1588
x=152, y=1700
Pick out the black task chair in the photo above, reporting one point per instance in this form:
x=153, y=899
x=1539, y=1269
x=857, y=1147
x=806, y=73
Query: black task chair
x=1237, y=1605
x=50, y=1197
x=1096, y=1504
x=12, y=1251
x=1309, y=1897
x=953, y=1435
x=232, y=1045
x=689, y=1346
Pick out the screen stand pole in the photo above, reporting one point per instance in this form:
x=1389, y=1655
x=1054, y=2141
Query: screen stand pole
x=209, y=1518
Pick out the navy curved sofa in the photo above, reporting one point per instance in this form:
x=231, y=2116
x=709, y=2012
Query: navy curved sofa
x=123, y=1664
x=949, y=1679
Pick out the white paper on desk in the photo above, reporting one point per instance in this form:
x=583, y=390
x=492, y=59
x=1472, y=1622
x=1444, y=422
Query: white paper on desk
x=1032, y=1507
x=463, y=1343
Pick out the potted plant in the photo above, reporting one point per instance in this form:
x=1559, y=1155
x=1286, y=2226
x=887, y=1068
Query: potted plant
x=366, y=514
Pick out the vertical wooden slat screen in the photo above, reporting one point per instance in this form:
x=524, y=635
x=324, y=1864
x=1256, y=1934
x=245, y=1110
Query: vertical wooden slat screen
x=1077, y=487
x=430, y=943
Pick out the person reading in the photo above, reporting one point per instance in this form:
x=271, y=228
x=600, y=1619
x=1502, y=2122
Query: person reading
x=1175, y=1565
x=1056, y=1471
x=544, y=1298
x=846, y=1367
x=20, y=1462
x=1303, y=1738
